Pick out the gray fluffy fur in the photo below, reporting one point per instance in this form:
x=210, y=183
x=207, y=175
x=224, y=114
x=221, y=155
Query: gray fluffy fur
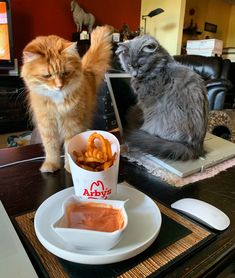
x=170, y=118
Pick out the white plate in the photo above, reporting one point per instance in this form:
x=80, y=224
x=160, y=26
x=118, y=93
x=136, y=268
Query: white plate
x=144, y=223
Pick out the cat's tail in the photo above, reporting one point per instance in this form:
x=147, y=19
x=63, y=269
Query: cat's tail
x=162, y=148
x=96, y=60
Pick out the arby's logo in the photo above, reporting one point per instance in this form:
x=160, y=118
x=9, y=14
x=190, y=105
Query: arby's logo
x=97, y=190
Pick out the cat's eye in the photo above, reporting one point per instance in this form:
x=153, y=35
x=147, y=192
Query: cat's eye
x=46, y=76
x=151, y=46
x=66, y=73
x=129, y=66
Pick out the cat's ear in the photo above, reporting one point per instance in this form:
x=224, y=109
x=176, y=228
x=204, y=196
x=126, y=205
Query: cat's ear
x=150, y=47
x=30, y=56
x=71, y=48
x=122, y=48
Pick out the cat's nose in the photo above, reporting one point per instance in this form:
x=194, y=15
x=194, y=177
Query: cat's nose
x=134, y=73
x=58, y=83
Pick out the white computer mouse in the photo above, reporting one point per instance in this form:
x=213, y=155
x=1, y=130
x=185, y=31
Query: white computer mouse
x=202, y=212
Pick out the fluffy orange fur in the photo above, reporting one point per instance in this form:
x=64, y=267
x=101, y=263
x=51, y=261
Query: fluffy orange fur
x=62, y=88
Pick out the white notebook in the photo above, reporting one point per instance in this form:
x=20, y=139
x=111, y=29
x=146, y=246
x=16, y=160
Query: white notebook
x=217, y=149
x=14, y=261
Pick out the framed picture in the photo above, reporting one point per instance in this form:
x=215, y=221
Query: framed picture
x=210, y=27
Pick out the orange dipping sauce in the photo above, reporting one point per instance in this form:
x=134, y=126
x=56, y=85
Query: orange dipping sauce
x=94, y=216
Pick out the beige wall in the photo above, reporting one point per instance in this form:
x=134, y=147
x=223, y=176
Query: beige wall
x=217, y=12
x=166, y=27
x=230, y=41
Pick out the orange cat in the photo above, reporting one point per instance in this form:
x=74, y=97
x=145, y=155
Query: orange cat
x=62, y=88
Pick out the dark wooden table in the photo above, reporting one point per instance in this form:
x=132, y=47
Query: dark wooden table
x=24, y=188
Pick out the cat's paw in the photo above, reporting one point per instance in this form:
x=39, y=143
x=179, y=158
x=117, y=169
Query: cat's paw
x=67, y=167
x=49, y=167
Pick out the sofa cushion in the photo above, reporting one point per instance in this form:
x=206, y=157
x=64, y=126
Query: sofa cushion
x=208, y=68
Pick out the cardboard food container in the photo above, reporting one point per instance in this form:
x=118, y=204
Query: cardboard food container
x=90, y=184
x=207, y=47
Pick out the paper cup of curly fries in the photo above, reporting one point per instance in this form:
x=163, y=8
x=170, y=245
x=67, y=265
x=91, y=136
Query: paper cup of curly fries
x=94, y=164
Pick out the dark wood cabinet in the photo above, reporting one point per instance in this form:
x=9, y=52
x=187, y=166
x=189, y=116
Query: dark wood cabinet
x=13, y=106
x=230, y=95
x=82, y=45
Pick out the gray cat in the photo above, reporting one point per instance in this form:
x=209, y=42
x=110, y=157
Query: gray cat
x=170, y=117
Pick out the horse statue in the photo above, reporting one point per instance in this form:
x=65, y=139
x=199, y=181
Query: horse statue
x=81, y=18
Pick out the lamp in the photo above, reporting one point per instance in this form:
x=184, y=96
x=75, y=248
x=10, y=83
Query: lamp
x=151, y=14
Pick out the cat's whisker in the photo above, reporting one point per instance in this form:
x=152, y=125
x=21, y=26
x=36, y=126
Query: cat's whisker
x=21, y=91
x=19, y=96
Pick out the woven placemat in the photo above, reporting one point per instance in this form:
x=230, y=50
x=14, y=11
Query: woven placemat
x=156, y=259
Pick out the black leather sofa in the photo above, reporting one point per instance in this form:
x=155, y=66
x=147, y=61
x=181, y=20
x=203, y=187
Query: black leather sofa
x=215, y=71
